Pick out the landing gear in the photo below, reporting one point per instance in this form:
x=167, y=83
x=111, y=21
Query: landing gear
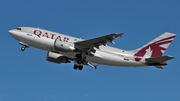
x=80, y=58
x=78, y=67
x=23, y=48
x=75, y=67
x=79, y=61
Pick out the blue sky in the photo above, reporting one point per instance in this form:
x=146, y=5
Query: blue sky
x=27, y=76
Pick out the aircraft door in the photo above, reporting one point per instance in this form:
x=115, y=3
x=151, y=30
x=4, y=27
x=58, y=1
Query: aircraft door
x=126, y=56
x=29, y=32
x=29, y=35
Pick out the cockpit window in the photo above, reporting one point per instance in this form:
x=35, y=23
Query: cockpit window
x=18, y=28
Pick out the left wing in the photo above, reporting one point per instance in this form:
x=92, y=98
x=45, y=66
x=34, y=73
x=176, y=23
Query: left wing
x=96, y=42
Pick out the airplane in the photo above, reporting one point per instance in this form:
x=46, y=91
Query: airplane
x=62, y=48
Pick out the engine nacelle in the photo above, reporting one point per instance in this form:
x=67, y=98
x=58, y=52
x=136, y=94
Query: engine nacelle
x=63, y=46
x=56, y=58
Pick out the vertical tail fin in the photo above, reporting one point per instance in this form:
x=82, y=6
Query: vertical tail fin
x=155, y=47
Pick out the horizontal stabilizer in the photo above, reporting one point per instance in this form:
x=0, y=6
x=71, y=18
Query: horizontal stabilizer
x=159, y=67
x=159, y=59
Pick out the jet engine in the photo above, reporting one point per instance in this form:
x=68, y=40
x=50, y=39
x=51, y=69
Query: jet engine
x=63, y=46
x=56, y=58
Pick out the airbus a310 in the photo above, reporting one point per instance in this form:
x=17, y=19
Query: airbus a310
x=62, y=48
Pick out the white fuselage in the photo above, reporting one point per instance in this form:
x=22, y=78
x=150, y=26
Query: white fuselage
x=44, y=39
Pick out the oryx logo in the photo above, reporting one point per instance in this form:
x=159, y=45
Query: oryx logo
x=154, y=49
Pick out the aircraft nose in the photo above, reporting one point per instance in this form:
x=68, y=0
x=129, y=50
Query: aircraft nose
x=14, y=34
x=11, y=32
